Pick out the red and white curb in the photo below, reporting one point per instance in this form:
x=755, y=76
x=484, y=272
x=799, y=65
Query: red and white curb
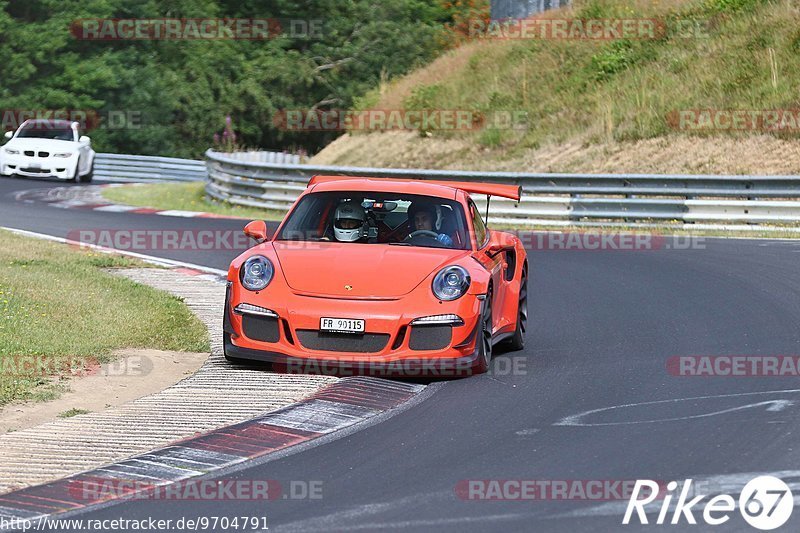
x=338, y=406
x=91, y=198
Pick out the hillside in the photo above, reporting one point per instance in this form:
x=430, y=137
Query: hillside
x=611, y=105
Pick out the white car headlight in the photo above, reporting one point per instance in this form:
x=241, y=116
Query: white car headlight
x=11, y=151
x=63, y=154
x=451, y=283
x=256, y=273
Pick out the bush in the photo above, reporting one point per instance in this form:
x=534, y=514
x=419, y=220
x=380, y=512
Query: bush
x=615, y=58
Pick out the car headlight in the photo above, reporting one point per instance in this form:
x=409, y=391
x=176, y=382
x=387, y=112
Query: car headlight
x=451, y=283
x=256, y=273
x=12, y=151
x=63, y=154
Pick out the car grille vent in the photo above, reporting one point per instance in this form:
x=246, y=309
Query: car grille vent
x=338, y=342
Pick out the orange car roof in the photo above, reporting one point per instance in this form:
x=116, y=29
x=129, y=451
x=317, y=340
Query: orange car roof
x=420, y=186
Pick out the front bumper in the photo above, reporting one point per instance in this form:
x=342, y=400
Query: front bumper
x=38, y=167
x=427, y=367
x=390, y=346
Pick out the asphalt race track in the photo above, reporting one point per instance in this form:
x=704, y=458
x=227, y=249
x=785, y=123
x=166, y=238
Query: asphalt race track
x=58, y=222
x=603, y=325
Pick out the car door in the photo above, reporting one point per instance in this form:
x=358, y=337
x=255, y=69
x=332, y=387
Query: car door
x=493, y=264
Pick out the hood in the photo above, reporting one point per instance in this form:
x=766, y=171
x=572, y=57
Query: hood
x=49, y=145
x=372, y=270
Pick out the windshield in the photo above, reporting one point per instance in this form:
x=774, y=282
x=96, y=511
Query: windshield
x=42, y=130
x=385, y=218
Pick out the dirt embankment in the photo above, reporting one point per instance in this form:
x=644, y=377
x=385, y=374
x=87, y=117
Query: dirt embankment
x=758, y=154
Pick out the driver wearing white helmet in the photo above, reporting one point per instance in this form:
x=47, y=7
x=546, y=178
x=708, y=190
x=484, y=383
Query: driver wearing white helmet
x=348, y=222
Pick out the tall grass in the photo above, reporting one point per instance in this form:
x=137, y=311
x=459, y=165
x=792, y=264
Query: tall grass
x=728, y=54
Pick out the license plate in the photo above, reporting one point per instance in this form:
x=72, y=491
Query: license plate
x=341, y=325
x=37, y=166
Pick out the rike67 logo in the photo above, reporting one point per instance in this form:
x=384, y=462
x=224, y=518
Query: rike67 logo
x=765, y=503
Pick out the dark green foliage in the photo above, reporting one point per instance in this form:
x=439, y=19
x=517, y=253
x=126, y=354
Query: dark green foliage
x=178, y=93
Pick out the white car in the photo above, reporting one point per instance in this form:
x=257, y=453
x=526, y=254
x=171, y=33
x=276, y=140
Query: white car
x=48, y=148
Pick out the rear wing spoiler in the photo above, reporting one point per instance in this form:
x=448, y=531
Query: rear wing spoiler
x=514, y=192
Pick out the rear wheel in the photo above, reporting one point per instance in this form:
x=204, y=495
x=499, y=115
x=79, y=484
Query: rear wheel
x=484, y=341
x=517, y=341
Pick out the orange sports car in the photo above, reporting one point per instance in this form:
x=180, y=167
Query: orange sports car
x=379, y=276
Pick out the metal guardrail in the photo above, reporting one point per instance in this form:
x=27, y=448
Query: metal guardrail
x=549, y=199
x=139, y=168
x=267, y=157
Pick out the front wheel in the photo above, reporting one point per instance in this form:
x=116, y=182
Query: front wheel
x=484, y=341
x=87, y=178
x=517, y=341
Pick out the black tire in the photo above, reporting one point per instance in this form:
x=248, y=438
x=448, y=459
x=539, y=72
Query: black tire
x=485, y=346
x=88, y=177
x=74, y=179
x=517, y=341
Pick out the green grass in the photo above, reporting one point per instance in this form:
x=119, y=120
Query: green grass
x=183, y=197
x=60, y=310
x=72, y=412
x=742, y=55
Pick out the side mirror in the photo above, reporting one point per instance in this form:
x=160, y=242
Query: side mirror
x=84, y=139
x=257, y=230
x=9, y=134
x=494, y=248
x=498, y=242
